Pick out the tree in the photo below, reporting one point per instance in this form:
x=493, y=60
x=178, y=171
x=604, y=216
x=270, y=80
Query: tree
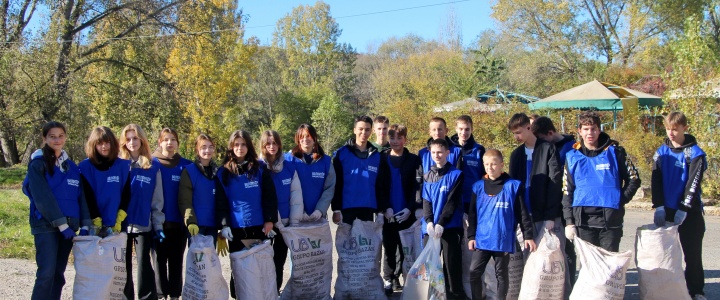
x=333, y=121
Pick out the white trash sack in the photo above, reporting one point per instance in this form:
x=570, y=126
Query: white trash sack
x=203, y=274
x=426, y=279
x=311, y=263
x=411, y=241
x=254, y=272
x=358, y=267
x=659, y=260
x=544, y=273
x=602, y=273
x=100, y=267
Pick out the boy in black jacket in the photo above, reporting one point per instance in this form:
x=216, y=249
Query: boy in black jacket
x=678, y=169
x=535, y=164
x=599, y=180
x=404, y=202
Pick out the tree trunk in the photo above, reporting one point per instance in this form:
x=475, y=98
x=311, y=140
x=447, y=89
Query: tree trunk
x=9, y=149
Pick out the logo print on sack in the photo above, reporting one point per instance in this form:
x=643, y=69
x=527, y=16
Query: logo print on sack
x=407, y=250
x=556, y=267
x=122, y=254
x=304, y=244
x=353, y=242
x=618, y=274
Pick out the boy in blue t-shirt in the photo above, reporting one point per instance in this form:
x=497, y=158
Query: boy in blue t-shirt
x=678, y=169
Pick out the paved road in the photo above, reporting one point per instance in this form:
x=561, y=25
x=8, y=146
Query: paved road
x=19, y=274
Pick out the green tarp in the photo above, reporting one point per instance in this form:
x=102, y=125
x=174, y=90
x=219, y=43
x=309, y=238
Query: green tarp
x=596, y=95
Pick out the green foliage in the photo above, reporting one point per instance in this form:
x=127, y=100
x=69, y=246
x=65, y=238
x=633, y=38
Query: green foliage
x=12, y=176
x=333, y=122
x=15, y=238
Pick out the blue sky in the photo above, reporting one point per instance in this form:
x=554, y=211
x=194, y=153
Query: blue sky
x=473, y=17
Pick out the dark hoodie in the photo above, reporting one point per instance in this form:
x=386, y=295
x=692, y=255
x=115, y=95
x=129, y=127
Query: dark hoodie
x=493, y=187
x=564, y=146
x=382, y=183
x=696, y=171
x=410, y=175
x=168, y=162
x=601, y=217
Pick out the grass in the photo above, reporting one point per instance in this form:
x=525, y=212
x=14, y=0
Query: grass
x=15, y=238
x=12, y=177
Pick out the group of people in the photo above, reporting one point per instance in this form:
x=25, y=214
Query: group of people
x=454, y=186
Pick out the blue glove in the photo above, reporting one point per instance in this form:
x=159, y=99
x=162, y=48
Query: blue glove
x=84, y=231
x=680, y=217
x=68, y=233
x=659, y=218
x=160, y=235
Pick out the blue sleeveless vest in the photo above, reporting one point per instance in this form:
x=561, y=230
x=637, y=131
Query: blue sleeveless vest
x=142, y=187
x=496, y=217
x=64, y=186
x=597, y=179
x=107, y=186
x=171, y=186
x=437, y=193
x=282, y=181
x=312, y=178
x=473, y=169
x=360, y=176
x=397, y=194
x=675, y=172
x=426, y=157
x=562, y=152
x=203, y=197
x=245, y=199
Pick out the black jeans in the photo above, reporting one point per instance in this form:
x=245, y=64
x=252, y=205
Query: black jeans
x=480, y=259
x=606, y=238
x=450, y=243
x=169, y=272
x=143, y=242
x=393, y=254
x=363, y=213
x=280, y=250
x=691, y=232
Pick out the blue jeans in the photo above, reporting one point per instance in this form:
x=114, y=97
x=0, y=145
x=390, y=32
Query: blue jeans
x=52, y=251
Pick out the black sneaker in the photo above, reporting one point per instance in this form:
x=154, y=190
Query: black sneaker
x=396, y=285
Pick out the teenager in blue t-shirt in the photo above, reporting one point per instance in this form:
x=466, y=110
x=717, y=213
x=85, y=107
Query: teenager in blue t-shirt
x=496, y=209
x=57, y=209
x=471, y=156
x=361, y=181
x=442, y=206
x=144, y=213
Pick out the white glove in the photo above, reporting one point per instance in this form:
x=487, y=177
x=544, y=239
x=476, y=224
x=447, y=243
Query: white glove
x=550, y=225
x=227, y=233
x=659, y=218
x=403, y=215
x=380, y=218
x=389, y=214
x=285, y=222
x=316, y=215
x=430, y=229
x=418, y=213
x=680, y=217
x=570, y=232
x=439, y=230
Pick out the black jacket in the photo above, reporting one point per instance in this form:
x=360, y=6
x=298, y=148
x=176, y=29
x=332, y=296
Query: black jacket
x=601, y=217
x=411, y=176
x=493, y=187
x=382, y=182
x=545, y=179
x=454, y=196
x=693, y=188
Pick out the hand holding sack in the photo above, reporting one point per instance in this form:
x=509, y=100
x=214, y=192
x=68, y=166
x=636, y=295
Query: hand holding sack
x=570, y=232
x=121, y=215
x=403, y=215
x=659, y=217
x=227, y=233
x=193, y=229
x=544, y=274
x=66, y=231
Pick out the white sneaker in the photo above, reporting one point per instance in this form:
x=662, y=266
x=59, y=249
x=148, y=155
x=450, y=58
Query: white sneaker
x=387, y=286
x=699, y=297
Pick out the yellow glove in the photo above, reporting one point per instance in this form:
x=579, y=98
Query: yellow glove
x=118, y=221
x=97, y=222
x=222, y=247
x=193, y=229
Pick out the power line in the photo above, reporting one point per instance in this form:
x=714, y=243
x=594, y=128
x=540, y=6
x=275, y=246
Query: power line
x=245, y=28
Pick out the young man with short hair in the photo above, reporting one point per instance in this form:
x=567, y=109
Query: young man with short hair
x=361, y=181
x=535, y=164
x=471, y=156
x=678, y=169
x=442, y=206
x=380, y=127
x=438, y=130
x=599, y=180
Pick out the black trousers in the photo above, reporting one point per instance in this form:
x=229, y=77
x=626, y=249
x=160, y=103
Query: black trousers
x=480, y=259
x=169, y=270
x=143, y=242
x=394, y=255
x=691, y=233
x=450, y=242
x=280, y=250
x=363, y=213
x=606, y=238
x=571, y=257
x=239, y=234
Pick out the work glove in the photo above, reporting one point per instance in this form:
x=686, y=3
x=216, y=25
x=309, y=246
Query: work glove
x=66, y=231
x=305, y=217
x=84, y=231
x=550, y=225
x=222, y=247
x=227, y=233
x=316, y=215
x=570, y=232
x=97, y=222
x=380, y=219
x=680, y=217
x=418, y=213
x=438, y=230
x=430, y=228
x=403, y=215
x=389, y=215
x=193, y=229
x=160, y=235
x=659, y=218
x=121, y=215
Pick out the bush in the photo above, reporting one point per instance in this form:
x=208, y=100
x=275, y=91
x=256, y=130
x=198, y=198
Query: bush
x=15, y=238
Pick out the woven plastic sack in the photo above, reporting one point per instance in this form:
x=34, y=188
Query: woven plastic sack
x=659, y=259
x=515, y=275
x=203, y=274
x=602, y=273
x=100, y=267
x=311, y=263
x=254, y=272
x=411, y=241
x=544, y=273
x=358, y=268
x=425, y=279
